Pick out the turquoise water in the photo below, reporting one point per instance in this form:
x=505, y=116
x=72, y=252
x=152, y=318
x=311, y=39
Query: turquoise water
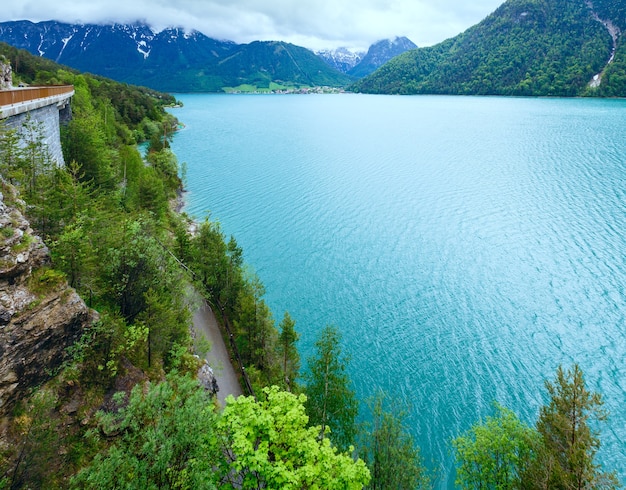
x=465, y=246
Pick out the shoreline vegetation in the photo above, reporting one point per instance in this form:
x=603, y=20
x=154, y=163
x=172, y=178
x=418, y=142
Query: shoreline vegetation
x=126, y=409
x=283, y=90
x=107, y=220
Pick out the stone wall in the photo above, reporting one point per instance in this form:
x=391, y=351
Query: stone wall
x=46, y=118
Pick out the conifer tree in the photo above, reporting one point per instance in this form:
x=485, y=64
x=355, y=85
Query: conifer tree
x=567, y=458
x=331, y=402
x=11, y=155
x=288, y=349
x=389, y=450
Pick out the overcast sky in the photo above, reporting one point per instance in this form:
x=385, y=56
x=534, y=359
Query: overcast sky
x=315, y=24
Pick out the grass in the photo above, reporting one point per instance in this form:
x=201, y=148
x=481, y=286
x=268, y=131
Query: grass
x=7, y=232
x=254, y=89
x=23, y=244
x=45, y=280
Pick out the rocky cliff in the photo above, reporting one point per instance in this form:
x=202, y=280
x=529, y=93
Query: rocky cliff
x=6, y=75
x=40, y=316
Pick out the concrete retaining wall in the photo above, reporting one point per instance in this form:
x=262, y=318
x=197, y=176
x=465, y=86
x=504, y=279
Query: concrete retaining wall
x=47, y=119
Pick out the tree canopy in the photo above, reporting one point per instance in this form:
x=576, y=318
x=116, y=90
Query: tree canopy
x=270, y=445
x=331, y=400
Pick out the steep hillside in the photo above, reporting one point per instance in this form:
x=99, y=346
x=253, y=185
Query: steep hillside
x=170, y=60
x=260, y=63
x=40, y=316
x=380, y=53
x=526, y=47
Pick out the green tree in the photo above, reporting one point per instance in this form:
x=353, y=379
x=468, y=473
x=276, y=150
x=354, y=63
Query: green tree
x=71, y=252
x=167, y=322
x=269, y=445
x=209, y=259
x=567, y=459
x=166, y=440
x=496, y=453
x=288, y=350
x=256, y=331
x=84, y=142
x=37, y=442
x=36, y=157
x=134, y=263
x=331, y=402
x=390, y=452
x=11, y=158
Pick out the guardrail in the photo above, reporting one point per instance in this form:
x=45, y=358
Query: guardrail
x=26, y=94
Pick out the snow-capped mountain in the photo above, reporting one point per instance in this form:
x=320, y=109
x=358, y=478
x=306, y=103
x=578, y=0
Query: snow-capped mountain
x=110, y=50
x=359, y=64
x=379, y=53
x=172, y=59
x=341, y=59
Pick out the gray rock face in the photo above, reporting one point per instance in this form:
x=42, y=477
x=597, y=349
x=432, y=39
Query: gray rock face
x=39, y=319
x=6, y=75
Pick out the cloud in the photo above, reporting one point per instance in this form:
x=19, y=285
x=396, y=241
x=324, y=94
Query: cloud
x=312, y=23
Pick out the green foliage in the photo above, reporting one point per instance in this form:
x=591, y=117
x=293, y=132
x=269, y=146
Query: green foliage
x=105, y=217
x=167, y=440
x=567, y=458
x=84, y=142
x=38, y=443
x=288, y=350
x=167, y=322
x=12, y=165
x=45, y=280
x=331, y=401
x=105, y=214
x=211, y=264
x=259, y=64
x=526, y=47
x=257, y=335
x=269, y=445
x=166, y=166
x=389, y=450
x=238, y=296
x=495, y=454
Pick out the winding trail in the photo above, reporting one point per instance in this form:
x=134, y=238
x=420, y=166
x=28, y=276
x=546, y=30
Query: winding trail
x=205, y=326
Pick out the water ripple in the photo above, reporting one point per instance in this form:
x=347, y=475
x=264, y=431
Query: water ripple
x=465, y=246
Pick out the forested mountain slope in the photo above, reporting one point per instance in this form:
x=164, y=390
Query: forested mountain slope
x=172, y=59
x=525, y=47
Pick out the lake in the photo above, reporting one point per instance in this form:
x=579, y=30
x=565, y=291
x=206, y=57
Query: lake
x=465, y=246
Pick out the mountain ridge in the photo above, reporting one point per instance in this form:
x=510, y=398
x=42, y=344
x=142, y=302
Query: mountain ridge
x=524, y=48
x=358, y=64
x=380, y=53
x=171, y=59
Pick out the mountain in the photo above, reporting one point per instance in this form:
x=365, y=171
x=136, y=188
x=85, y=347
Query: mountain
x=172, y=59
x=358, y=64
x=525, y=47
x=341, y=59
x=380, y=53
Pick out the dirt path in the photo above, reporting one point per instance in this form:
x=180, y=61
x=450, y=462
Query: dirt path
x=206, y=327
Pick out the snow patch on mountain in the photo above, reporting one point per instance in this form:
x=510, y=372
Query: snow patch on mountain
x=360, y=64
x=342, y=59
x=143, y=48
